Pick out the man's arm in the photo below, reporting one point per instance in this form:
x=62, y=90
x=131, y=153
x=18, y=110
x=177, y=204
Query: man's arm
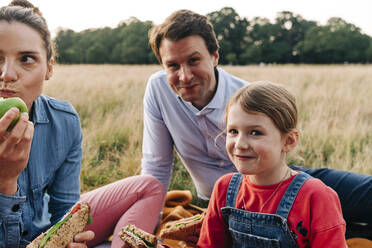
x=157, y=143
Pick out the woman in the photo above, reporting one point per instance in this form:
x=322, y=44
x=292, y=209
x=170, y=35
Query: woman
x=40, y=158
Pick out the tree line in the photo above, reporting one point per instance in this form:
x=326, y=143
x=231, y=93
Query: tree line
x=288, y=39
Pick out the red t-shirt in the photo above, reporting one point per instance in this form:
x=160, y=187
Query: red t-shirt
x=315, y=216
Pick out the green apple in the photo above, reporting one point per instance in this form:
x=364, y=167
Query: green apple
x=8, y=103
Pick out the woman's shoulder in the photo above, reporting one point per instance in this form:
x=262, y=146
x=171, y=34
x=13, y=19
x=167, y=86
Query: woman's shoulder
x=57, y=105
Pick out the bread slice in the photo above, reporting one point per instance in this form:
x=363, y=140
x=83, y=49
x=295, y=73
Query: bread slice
x=137, y=238
x=66, y=232
x=180, y=229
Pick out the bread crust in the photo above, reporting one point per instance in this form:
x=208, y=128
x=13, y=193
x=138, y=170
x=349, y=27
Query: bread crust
x=180, y=229
x=127, y=234
x=66, y=233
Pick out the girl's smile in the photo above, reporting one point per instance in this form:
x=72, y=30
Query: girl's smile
x=255, y=145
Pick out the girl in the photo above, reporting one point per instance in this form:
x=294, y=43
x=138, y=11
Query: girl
x=40, y=158
x=267, y=204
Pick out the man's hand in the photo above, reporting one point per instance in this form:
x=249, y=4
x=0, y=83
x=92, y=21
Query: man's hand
x=81, y=239
x=14, y=149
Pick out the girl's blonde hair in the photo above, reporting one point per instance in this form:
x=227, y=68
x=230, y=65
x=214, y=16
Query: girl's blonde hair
x=270, y=99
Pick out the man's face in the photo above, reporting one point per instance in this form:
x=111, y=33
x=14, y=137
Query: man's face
x=190, y=69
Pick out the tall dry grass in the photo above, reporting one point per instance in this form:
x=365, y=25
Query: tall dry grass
x=335, y=114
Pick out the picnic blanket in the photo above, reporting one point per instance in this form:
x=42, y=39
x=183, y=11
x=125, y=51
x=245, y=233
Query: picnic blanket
x=177, y=206
x=359, y=243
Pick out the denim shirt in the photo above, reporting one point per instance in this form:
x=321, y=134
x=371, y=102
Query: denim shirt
x=49, y=185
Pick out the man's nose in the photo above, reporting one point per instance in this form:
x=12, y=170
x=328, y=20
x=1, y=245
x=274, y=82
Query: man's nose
x=8, y=72
x=185, y=74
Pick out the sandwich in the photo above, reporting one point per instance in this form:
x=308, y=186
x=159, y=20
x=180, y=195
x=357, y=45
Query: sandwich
x=135, y=237
x=182, y=228
x=63, y=232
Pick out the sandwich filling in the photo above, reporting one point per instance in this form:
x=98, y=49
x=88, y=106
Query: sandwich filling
x=76, y=208
x=188, y=220
x=138, y=238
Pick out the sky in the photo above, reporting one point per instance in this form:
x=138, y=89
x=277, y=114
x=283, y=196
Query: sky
x=84, y=14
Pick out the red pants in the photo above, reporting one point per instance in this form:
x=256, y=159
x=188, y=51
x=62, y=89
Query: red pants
x=134, y=200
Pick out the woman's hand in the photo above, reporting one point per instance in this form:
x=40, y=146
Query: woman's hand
x=14, y=149
x=80, y=239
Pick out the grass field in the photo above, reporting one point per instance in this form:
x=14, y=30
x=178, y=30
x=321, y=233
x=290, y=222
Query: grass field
x=335, y=120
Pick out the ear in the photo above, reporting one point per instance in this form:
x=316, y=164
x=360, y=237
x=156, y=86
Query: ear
x=290, y=140
x=215, y=58
x=49, y=72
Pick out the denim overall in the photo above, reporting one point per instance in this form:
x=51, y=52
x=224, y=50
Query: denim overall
x=251, y=229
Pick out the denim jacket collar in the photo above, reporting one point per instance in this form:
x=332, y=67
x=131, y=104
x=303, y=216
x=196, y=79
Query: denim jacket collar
x=39, y=113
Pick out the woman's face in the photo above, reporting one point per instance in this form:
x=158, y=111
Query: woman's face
x=23, y=62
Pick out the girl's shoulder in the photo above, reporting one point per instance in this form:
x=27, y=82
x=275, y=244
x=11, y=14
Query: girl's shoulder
x=315, y=191
x=225, y=179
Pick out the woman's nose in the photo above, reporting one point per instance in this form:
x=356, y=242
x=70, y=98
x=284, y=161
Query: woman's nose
x=8, y=73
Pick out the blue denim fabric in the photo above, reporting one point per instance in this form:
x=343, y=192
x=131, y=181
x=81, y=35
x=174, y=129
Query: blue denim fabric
x=49, y=185
x=250, y=229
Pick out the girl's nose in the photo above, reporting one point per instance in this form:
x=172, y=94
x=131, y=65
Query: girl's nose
x=242, y=142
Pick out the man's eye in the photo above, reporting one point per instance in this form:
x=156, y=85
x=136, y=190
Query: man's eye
x=194, y=60
x=27, y=59
x=255, y=133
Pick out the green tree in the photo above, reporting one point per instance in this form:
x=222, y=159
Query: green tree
x=231, y=33
x=336, y=42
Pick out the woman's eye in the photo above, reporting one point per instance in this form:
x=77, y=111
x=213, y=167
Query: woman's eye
x=255, y=132
x=27, y=59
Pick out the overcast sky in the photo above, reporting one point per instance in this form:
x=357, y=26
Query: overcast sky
x=83, y=14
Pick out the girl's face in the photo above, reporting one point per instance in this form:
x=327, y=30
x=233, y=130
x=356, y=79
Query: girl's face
x=255, y=145
x=23, y=62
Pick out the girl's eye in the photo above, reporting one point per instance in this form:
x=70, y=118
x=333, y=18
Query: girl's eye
x=27, y=59
x=255, y=133
x=232, y=131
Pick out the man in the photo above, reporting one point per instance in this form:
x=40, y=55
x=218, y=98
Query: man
x=184, y=106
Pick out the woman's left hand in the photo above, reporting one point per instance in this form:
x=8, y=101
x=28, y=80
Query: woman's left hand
x=80, y=239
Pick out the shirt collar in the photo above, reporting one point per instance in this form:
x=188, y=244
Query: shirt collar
x=39, y=113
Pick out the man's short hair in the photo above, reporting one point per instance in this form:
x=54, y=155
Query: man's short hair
x=179, y=25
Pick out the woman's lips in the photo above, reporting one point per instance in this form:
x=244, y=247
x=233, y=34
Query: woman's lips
x=7, y=93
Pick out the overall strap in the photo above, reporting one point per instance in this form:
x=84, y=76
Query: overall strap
x=289, y=196
x=233, y=189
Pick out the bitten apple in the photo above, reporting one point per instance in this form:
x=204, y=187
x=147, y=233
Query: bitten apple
x=8, y=103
